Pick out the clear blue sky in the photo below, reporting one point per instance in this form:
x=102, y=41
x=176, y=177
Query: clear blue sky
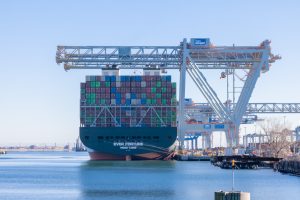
x=40, y=101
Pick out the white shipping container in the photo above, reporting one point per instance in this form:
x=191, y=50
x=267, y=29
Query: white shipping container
x=143, y=84
x=127, y=95
x=118, y=84
x=113, y=101
x=88, y=78
x=102, y=78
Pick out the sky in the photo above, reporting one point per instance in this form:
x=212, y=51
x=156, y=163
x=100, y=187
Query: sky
x=39, y=101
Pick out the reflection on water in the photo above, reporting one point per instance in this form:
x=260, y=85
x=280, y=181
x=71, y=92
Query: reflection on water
x=127, y=180
x=129, y=164
x=129, y=193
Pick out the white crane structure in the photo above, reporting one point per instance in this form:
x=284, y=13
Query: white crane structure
x=190, y=58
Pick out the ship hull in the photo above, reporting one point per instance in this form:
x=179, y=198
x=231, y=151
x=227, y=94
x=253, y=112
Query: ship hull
x=128, y=143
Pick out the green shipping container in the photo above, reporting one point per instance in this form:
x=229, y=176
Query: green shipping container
x=97, y=84
x=107, y=84
x=158, y=84
x=88, y=101
x=153, y=89
x=173, y=85
x=158, y=95
x=93, y=84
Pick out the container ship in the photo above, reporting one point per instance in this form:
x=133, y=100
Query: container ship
x=128, y=117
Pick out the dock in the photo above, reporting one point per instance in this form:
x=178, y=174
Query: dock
x=289, y=165
x=244, y=161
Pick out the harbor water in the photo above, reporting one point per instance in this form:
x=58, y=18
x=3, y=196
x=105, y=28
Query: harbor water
x=69, y=175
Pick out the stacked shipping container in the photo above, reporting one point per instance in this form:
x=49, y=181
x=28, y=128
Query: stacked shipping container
x=128, y=101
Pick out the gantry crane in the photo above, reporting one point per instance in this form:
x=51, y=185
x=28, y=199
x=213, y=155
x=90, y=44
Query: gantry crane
x=189, y=58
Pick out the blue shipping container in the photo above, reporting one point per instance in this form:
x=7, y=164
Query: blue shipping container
x=138, y=78
x=143, y=101
x=107, y=78
x=113, y=78
x=168, y=78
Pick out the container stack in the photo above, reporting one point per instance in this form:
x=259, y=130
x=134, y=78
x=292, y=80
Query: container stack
x=128, y=101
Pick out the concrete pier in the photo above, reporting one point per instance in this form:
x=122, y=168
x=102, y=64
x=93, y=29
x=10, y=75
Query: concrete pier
x=233, y=195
